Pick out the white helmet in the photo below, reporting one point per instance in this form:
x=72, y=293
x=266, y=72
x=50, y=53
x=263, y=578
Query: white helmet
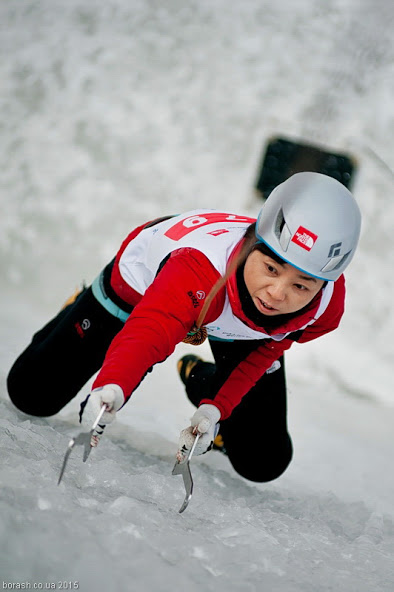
x=312, y=222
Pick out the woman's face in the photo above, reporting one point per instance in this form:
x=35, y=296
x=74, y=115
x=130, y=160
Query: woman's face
x=278, y=289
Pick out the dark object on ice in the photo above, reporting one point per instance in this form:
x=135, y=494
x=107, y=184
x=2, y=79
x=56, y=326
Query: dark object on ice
x=283, y=158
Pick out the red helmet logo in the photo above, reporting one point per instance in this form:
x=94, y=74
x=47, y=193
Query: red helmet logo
x=304, y=238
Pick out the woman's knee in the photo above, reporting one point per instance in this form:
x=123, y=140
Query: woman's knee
x=33, y=406
x=31, y=398
x=260, y=469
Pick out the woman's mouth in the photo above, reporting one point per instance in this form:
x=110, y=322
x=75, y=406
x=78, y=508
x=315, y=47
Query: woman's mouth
x=264, y=307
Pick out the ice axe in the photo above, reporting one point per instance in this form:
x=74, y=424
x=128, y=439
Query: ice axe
x=183, y=468
x=83, y=439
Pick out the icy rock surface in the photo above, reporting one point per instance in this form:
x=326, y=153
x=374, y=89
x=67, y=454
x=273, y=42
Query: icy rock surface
x=116, y=518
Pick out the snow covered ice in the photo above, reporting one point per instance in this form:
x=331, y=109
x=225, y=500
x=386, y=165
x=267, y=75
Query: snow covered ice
x=116, y=112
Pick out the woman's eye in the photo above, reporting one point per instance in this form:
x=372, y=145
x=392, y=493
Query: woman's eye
x=270, y=268
x=300, y=287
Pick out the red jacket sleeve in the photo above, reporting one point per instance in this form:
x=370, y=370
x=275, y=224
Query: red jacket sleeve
x=249, y=371
x=246, y=375
x=161, y=320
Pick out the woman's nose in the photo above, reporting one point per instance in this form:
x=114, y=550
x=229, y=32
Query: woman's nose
x=277, y=291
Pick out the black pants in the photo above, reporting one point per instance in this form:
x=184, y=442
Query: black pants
x=62, y=357
x=255, y=435
x=66, y=353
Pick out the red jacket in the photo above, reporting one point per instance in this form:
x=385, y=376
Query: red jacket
x=164, y=315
